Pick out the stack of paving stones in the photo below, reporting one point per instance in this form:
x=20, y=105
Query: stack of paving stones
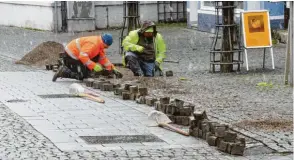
x=216, y=134
x=130, y=91
x=101, y=84
x=177, y=110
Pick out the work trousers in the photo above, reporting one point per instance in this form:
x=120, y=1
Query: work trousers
x=75, y=66
x=138, y=66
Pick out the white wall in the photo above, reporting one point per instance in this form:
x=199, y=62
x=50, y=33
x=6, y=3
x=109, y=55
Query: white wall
x=193, y=11
x=27, y=14
x=148, y=10
x=253, y=5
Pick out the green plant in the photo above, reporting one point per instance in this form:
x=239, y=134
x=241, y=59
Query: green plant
x=264, y=85
x=275, y=36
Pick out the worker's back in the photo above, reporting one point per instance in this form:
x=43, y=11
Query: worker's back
x=91, y=45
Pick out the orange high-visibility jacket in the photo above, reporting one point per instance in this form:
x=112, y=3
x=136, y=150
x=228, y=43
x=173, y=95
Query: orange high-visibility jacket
x=86, y=48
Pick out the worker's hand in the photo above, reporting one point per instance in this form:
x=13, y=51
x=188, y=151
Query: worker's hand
x=140, y=49
x=98, y=68
x=117, y=73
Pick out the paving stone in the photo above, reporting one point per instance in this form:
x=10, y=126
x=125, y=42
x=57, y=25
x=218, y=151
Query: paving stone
x=182, y=120
x=189, y=105
x=237, y=149
x=240, y=140
x=143, y=91
x=150, y=101
x=218, y=140
x=125, y=95
x=222, y=146
x=212, y=126
x=211, y=140
x=127, y=86
x=200, y=115
x=194, y=132
x=157, y=106
x=168, y=108
x=220, y=131
x=107, y=87
x=116, y=85
x=230, y=136
x=172, y=118
x=165, y=108
x=133, y=89
x=141, y=100
x=133, y=96
x=174, y=110
x=169, y=73
x=229, y=147
x=185, y=111
x=96, y=84
x=164, y=100
x=179, y=103
x=118, y=91
x=89, y=82
x=101, y=84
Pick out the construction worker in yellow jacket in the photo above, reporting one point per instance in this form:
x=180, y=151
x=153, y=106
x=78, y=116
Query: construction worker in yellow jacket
x=144, y=51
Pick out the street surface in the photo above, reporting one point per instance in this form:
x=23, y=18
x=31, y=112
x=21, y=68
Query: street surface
x=39, y=121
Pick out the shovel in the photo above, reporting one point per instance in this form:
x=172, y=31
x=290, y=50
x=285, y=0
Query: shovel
x=79, y=91
x=162, y=120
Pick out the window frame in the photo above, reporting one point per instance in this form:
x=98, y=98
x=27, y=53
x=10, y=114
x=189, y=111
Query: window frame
x=209, y=8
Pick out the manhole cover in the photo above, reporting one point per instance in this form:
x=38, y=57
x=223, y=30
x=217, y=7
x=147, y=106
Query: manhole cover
x=120, y=139
x=16, y=100
x=58, y=96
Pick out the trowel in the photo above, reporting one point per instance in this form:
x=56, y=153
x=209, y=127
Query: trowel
x=78, y=90
x=163, y=121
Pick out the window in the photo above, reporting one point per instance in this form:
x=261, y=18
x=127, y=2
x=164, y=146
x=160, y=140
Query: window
x=210, y=5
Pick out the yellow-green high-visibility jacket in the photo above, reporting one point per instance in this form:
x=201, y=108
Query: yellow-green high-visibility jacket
x=130, y=44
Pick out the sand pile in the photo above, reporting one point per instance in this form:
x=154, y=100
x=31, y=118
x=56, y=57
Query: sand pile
x=45, y=53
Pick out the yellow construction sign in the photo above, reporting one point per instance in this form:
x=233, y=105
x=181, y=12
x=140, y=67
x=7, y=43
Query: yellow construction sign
x=256, y=29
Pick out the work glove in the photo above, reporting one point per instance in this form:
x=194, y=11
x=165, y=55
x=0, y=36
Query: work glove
x=117, y=73
x=98, y=68
x=140, y=49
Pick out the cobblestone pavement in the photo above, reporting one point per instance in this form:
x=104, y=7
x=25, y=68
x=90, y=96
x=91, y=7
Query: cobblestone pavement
x=33, y=127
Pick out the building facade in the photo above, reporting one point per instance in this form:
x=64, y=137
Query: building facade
x=205, y=13
x=83, y=15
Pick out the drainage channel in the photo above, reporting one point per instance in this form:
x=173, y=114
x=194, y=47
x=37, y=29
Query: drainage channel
x=58, y=96
x=121, y=139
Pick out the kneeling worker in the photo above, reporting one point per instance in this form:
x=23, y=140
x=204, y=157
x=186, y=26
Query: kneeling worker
x=85, y=54
x=144, y=51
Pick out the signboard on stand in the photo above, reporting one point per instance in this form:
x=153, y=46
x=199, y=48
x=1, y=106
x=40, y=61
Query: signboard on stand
x=256, y=32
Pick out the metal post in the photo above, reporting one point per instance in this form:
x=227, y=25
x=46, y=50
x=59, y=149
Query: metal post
x=56, y=17
x=289, y=52
x=130, y=20
x=263, y=57
x=291, y=42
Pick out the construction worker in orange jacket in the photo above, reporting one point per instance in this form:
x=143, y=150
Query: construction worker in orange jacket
x=86, y=54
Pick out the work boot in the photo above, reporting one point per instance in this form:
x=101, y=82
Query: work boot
x=64, y=72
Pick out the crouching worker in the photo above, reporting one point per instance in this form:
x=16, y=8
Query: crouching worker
x=144, y=51
x=86, y=54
